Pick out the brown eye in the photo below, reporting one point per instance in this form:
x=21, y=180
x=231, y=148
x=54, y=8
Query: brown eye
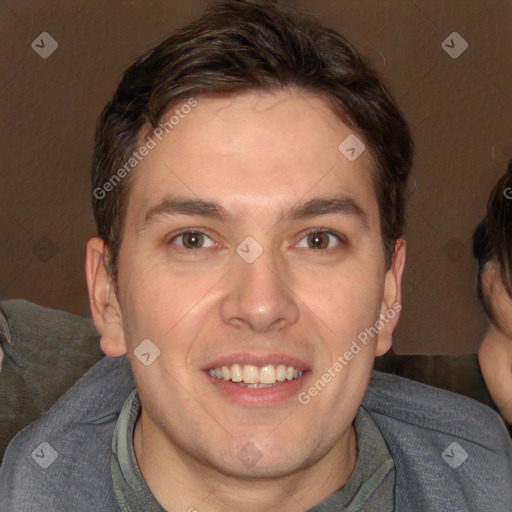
x=192, y=240
x=318, y=240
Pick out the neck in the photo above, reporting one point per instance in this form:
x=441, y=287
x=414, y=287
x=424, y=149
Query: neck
x=180, y=481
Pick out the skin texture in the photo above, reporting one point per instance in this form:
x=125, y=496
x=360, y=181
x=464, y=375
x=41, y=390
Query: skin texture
x=495, y=353
x=258, y=154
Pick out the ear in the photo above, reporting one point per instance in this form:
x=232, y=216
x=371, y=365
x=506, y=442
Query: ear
x=392, y=298
x=105, y=309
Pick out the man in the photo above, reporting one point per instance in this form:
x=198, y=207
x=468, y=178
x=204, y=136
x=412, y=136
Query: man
x=492, y=247
x=248, y=187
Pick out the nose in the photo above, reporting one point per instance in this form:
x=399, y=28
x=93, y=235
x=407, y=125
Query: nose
x=259, y=296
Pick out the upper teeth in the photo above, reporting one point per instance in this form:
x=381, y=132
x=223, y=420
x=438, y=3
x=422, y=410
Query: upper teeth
x=251, y=374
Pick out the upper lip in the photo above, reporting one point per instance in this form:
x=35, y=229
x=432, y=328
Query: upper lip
x=257, y=359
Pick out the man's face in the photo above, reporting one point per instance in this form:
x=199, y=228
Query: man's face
x=205, y=303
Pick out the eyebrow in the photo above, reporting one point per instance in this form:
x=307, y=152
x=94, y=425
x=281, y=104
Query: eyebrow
x=337, y=205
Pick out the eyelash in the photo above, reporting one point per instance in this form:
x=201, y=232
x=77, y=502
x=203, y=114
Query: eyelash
x=341, y=239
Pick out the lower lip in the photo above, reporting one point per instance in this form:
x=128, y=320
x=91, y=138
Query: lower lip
x=259, y=397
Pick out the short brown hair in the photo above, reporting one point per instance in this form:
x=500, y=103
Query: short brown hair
x=252, y=45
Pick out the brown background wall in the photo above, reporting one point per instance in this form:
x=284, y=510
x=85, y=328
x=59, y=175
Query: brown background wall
x=460, y=111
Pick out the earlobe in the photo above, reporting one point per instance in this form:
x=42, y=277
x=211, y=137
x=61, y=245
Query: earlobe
x=392, y=299
x=103, y=302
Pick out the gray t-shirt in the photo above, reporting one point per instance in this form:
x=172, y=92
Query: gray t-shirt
x=369, y=488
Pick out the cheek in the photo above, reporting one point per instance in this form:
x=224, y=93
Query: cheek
x=348, y=300
x=152, y=299
x=166, y=306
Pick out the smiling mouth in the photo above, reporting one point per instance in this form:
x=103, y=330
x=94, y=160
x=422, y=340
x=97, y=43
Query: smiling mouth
x=252, y=376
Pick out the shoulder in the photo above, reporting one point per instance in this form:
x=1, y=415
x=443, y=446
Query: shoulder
x=69, y=446
x=413, y=403
x=45, y=352
x=27, y=318
x=435, y=437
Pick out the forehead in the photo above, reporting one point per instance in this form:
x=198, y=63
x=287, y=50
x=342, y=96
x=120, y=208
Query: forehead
x=255, y=150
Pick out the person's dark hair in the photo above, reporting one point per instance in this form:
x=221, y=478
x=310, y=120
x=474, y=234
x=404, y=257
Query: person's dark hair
x=251, y=45
x=492, y=239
